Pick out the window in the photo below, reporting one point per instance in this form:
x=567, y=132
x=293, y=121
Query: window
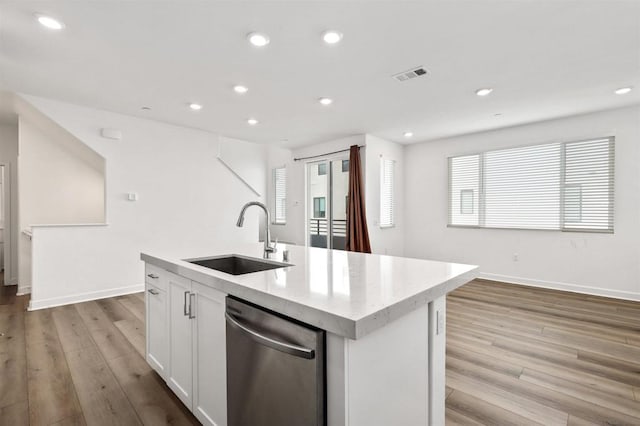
x=466, y=201
x=280, y=195
x=387, y=168
x=345, y=166
x=319, y=207
x=463, y=180
x=322, y=169
x=573, y=203
x=557, y=186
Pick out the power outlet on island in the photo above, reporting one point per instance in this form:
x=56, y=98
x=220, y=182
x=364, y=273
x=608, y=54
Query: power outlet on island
x=439, y=322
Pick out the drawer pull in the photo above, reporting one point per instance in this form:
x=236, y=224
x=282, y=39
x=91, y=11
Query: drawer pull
x=153, y=276
x=154, y=292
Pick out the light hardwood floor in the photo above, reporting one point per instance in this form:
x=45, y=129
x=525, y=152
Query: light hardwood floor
x=515, y=356
x=80, y=364
x=519, y=356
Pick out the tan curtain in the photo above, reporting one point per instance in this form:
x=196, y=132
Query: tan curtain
x=357, y=231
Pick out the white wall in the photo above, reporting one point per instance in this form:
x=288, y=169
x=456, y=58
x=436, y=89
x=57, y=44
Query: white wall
x=605, y=264
x=9, y=157
x=188, y=205
x=58, y=183
x=247, y=168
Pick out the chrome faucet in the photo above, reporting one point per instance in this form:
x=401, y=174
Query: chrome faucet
x=268, y=248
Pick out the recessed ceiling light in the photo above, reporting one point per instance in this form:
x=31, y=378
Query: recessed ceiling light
x=408, y=134
x=195, y=107
x=325, y=101
x=623, y=90
x=258, y=39
x=252, y=121
x=240, y=89
x=49, y=22
x=331, y=36
x=484, y=92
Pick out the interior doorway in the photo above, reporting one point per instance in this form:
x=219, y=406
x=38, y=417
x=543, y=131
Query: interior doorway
x=327, y=189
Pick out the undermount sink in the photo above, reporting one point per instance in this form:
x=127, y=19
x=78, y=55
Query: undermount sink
x=237, y=265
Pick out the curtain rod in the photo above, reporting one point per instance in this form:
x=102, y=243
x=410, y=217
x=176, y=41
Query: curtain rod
x=328, y=153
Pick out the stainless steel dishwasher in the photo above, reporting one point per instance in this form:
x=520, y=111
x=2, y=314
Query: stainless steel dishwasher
x=275, y=369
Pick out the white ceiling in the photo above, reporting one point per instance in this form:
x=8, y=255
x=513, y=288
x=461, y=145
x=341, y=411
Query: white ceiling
x=544, y=59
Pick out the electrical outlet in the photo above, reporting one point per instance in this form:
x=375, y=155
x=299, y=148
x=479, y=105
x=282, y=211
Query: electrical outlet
x=515, y=257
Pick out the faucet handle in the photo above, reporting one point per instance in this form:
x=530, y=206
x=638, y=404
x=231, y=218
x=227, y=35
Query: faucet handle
x=268, y=248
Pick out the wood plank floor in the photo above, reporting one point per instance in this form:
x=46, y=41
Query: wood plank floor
x=515, y=356
x=80, y=364
x=526, y=356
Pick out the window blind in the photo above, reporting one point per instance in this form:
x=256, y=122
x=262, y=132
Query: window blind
x=280, y=195
x=558, y=186
x=387, y=204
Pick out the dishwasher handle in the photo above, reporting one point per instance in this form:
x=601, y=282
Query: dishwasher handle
x=298, y=351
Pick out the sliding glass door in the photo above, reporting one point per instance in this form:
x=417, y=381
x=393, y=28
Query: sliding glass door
x=327, y=188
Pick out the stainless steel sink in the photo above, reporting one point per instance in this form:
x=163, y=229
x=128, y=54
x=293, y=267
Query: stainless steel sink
x=237, y=265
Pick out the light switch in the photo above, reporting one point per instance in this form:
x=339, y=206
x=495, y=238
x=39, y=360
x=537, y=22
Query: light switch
x=132, y=196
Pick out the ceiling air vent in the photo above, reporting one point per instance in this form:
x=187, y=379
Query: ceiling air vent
x=409, y=74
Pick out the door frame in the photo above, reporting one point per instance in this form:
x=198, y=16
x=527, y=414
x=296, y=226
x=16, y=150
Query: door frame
x=7, y=190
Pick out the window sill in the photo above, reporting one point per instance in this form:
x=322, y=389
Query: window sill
x=576, y=230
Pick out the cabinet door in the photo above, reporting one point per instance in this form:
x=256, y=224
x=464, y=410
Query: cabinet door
x=209, y=356
x=156, y=324
x=180, y=371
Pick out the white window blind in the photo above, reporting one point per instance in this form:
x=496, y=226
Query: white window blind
x=464, y=184
x=557, y=186
x=387, y=204
x=280, y=195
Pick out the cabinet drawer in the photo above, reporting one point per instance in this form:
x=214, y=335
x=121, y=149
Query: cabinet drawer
x=155, y=276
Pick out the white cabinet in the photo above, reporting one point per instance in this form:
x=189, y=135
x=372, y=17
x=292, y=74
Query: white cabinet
x=156, y=320
x=186, y=342
x=209, y=356
x=180, y=374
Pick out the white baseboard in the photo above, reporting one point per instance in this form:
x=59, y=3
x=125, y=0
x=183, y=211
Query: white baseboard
x=84, y=297
x=554, y=285
x=12, y=281
x=23, y=290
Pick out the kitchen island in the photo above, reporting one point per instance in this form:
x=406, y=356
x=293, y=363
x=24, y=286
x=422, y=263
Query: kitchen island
x=384, y=319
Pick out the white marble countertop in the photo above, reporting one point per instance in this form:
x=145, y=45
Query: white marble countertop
x=345, y=293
